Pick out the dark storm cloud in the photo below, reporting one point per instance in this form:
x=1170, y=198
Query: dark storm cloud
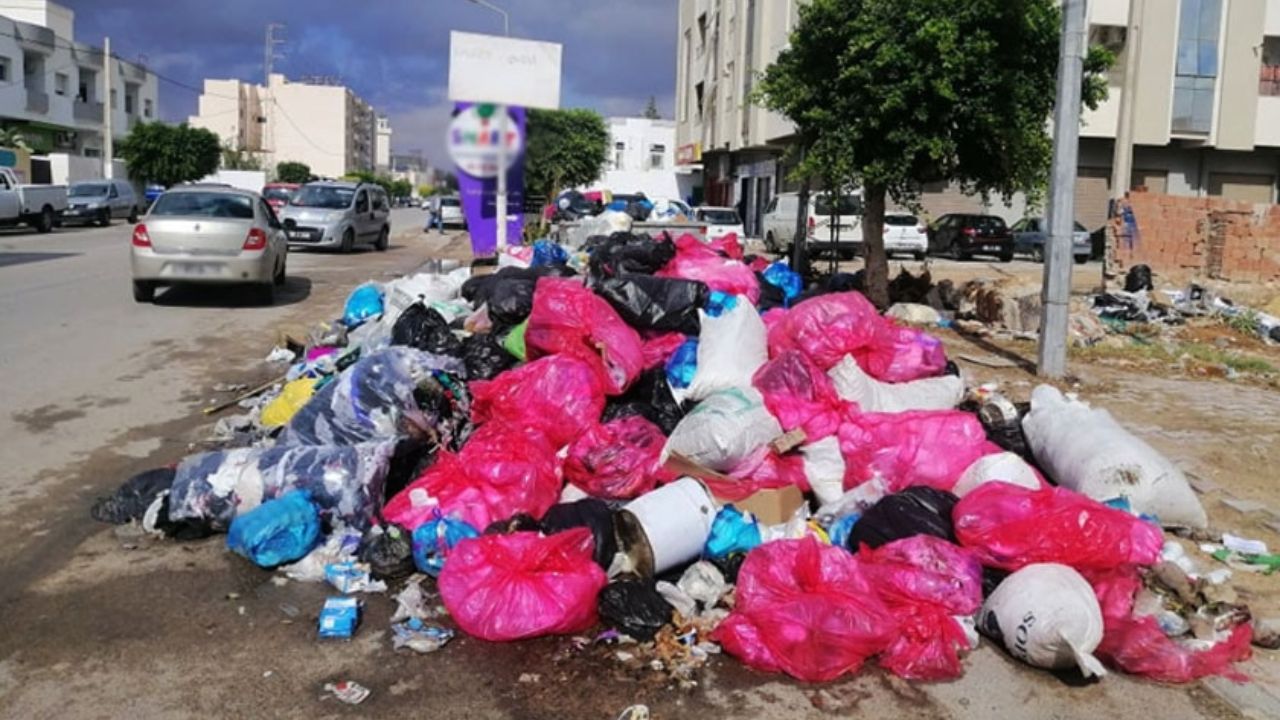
x=393, y=53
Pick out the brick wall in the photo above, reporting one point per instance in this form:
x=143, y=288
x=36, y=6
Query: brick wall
x=1190, y=238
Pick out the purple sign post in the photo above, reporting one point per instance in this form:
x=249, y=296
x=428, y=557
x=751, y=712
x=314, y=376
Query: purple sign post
x=475, y=139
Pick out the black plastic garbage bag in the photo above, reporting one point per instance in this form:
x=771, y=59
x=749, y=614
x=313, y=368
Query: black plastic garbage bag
x=423, y=328
x=771, y=296
x=1138, y=278
x=591, y=513
x=634, y=607
x=520, y=522
x=914, y=511
x=485, y=357
x=649, y=397
x=646, y=302
x=131, y=500
x=622, y=253
x=509, y=292
x=729, y=565
x=388, y=549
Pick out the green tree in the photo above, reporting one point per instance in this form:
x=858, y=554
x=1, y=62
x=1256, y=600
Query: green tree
x=293, y=172
x=12, y=138
x=170, y=154
x=919, y=91
x=651, y=109
x=237, y=159
x=400, y=188
x=565, y=148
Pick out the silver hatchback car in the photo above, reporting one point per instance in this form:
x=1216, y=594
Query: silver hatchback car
x=338, y=215
x=209, y=235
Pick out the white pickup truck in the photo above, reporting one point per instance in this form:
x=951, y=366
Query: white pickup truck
x=40, y=206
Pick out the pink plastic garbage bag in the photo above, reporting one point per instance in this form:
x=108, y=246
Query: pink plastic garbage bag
x=1010, y=527
x=800, y=395
x=617, y=460
x=658, y=350
x=806, y=609
x=925, y=581
x=763, y=469
x=694, y=260
x=501, y=471
x=923, y=447
x=559, y=395
x=902, y=354
x=826, y=328
x=522, y=585
x=1138, y=646
x=569, y=319
x=727, y=244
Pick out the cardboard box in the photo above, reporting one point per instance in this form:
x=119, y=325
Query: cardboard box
x=771, y=507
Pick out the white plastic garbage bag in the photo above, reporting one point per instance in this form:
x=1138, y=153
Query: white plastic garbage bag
x=854, y=384
x=723, y=429
x=824, y=468
x=1001, y=467
x=730, y=350
x=1048, y=616
x=1086, y=450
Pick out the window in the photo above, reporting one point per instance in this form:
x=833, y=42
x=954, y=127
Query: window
x=113, y=98
x=88, y=84
x=4, y=183
x=1269, y=73
x=269, y=214
x=657, y=155
x=362, y=202
x=60, y=82
x=684, y=77
x=379, y=201
x=773, y=205
x=204, y=204
x=1196, y=75
x=147, y=108
x=697, y=93
x=702, y=32
x=619, y=150
x=129, y=102
x=4, y=69
x=113, y=192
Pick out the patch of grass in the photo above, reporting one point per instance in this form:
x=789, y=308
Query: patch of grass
x=1245, y=323
x=1236, y=361
x=1172, y=353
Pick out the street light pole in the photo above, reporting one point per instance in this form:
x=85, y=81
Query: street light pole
x=500, y=201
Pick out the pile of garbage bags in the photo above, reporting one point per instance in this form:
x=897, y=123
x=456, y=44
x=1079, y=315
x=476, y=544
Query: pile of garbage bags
x=678, y=440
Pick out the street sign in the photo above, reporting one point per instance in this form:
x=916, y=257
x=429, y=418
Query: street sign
x=504, y=71
x=474, y=137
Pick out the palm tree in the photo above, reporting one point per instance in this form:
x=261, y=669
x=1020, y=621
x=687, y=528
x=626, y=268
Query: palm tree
x=11, y=138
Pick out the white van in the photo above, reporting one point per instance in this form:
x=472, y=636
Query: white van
x=779, y=223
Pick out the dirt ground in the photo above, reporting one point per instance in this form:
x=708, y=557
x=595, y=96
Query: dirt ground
x=100, y=622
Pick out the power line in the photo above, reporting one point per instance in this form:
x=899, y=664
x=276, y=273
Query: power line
x=304, y=135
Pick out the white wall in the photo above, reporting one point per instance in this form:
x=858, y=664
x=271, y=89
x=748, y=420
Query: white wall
x=1272, y=25
x=1267, y=126
x=65, y=169
x=251, y=180
x=638, y=136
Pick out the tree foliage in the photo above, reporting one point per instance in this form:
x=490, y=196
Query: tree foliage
x=170, y=154
x=12, y=138
x=293, y=172
x=651, y=109
x=400, y=188
x=917, y=91
x=237, y=159
x=565, y=148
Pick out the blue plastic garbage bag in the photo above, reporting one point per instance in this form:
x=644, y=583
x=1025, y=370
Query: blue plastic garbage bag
x=840, y=529
x=781, y=276
x=277, y=531
x=731, y=532
x=546, y=252
x=363, y=303
x=433, y=540
x=719, y=303
x=682, y=364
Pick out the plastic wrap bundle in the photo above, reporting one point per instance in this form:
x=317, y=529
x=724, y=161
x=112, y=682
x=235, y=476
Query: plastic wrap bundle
x=723, y=430
x=345, y=482
x=371, y=400
x=800, y=396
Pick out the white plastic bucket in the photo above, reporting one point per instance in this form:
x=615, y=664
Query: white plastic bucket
x=666, y=527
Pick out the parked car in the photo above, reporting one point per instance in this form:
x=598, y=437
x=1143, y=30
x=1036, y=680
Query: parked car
x=962, y=235
x=338, y=214
x=720, y=221
x=98, y=201
x=450, y=209
x=1030, y=234
x=38, y=206
x=779, y=222
x=206, y=234
x=277, y=194
x=905, y=234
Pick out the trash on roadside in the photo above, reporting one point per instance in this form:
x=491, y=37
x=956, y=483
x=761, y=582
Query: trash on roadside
x=435, y=538
x=364, y=303
x=340, y=617
x=276, y=532
x=1046, y=615
x=349, y=577
x=292, y=397
x=348, y=691
x=634, y=607
x=419, y=636
x=911, y=512
x=666, y=527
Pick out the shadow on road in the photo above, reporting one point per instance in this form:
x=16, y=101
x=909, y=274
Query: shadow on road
x=296, y=289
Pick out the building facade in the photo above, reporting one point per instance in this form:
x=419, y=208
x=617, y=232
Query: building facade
x=53, y=89
x=326, y=126
x=1207, y=105
x=642, y=158
x=382, y=145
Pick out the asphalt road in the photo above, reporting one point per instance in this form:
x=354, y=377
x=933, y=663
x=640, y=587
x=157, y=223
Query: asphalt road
x=95, y=622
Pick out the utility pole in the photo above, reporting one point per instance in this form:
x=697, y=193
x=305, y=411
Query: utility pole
x=1122, y=158
x=500, y=201
x=268, y=136
x=1056, y=294
x=108, y=142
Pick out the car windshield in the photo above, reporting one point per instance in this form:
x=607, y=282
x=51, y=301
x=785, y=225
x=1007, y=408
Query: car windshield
x=277, y=194
x=988, y=222
x=719, y=216
x=449, y=202
x=204, y=204
x=847, y=205
x=901, y=220
x=88, y=190
x=323, y=196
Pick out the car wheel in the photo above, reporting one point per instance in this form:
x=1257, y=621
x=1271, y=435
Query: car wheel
x=1082, y=259
x=279, y=277
x=1037, y=254
x=1006, y=256
x=104, y=217
x=919, y=256
x=133, y=216
x=144, y=291
x=956, y=252
x=348, y=240
x=384, y=240
x=44, y=221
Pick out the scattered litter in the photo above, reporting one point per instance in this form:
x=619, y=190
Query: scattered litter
x=418, y=636
x=1244, y=546
x=348, y=691
x=530, y=678
x=339, y=617
x=277, y=356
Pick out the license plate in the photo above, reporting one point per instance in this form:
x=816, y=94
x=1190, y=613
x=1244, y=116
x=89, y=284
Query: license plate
x=299, y=235
x=198, y=268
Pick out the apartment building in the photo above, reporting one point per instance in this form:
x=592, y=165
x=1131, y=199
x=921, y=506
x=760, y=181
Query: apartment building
x=642, y=158
x=1207, y=104
x=53, y=89
x=382, y=145
x=320, y=123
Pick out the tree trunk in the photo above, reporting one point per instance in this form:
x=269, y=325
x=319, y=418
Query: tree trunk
x=800, y=243
x=873, y=242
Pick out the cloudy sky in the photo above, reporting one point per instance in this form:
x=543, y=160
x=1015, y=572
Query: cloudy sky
x=393, y=53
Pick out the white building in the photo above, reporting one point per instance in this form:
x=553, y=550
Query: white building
x=642, y=159
x=52, y=88
x=328, y=127
x=382, y=145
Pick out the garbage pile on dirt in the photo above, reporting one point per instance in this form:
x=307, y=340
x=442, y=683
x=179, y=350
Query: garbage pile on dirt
x=675, y=450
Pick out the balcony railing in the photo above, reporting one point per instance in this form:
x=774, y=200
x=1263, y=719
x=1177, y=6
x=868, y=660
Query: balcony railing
x=37, y=102
x=87, y=111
